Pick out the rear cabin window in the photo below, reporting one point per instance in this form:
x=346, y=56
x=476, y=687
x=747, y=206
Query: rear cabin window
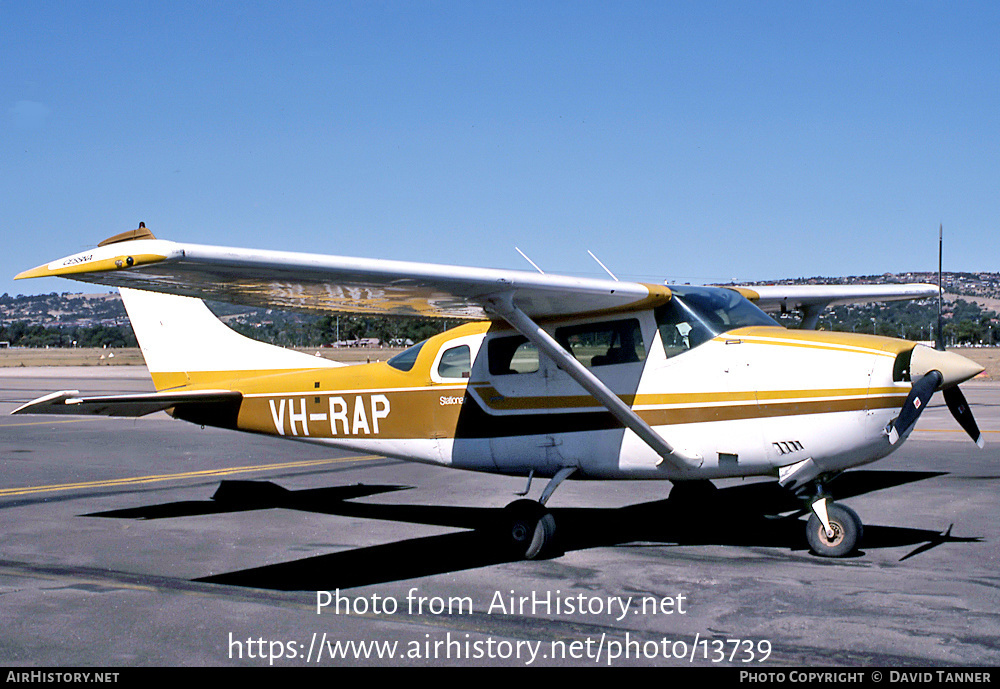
x=604, y=344
x=510, y=355
x=456, y=362
x=404, y=360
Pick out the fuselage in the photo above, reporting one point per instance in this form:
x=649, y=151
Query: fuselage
x=747, y=401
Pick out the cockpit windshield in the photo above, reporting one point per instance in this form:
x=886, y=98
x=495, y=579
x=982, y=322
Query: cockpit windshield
x=697, y=314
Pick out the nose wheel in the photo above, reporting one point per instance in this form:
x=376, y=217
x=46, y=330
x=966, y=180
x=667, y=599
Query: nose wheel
x=833, y=530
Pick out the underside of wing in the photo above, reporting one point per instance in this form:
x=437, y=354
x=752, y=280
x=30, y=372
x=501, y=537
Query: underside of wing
x=782, y=298
x=320, y=283
x=810, y=300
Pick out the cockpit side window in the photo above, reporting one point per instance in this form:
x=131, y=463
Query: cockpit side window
x=695, y=315
x=456, y=362
x=676, y=329
x=604, y=344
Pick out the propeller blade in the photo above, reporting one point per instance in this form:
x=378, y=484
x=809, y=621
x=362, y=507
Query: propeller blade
x=960, y=410
x=914, y=405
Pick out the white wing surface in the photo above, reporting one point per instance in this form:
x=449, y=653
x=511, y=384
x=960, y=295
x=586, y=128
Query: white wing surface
x=321, y=283
x=775, y=298
x=810, y=300
x=314, y=282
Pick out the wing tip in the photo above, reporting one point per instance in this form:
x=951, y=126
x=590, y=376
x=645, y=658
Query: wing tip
x=37, y=272
x=43, y=404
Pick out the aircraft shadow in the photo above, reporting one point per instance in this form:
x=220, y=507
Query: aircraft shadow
x=747, y=515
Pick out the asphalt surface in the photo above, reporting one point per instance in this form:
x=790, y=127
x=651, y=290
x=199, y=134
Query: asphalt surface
x=154, y=542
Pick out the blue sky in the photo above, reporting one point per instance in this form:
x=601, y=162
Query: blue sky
x=687, y=141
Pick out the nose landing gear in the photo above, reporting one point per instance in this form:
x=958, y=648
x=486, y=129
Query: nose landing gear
x=833, y=530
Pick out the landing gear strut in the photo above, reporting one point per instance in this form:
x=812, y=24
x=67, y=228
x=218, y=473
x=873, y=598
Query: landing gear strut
x=832, y=530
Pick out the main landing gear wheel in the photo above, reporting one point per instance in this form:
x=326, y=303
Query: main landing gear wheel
x=847, y=532
x=530, y=529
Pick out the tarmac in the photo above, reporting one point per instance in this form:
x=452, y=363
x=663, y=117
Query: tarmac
x=152, y=542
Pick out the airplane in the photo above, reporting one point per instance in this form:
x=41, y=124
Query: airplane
x=552, y=376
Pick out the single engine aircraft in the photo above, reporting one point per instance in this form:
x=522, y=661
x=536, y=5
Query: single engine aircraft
x=554, y=377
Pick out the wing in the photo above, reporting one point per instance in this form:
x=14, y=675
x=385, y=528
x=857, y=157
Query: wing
x=334, y=283
x=321, y=283
x=775, y=298
x=812, y=299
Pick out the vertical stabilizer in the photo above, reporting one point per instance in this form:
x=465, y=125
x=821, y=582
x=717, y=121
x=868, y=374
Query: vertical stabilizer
x=180, y=336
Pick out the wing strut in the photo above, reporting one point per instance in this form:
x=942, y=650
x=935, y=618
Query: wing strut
x=503, y=305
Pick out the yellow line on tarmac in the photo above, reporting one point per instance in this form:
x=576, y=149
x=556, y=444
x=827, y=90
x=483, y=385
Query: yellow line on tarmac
x=41, y=423
x=206, y=473
x=946, y=430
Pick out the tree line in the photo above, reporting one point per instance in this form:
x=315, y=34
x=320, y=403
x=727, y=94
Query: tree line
x=297, y=331
x=23, y=334
x=965, y=323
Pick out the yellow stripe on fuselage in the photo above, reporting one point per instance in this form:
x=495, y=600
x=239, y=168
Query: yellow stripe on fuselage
x=817, y=339
x=433, y=412
x=378, y=401
x=497, y=402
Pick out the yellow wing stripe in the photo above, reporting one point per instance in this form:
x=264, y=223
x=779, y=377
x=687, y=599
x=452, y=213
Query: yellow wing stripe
x=77, y=265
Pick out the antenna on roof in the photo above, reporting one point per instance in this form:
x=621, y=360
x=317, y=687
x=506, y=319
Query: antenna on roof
x=602, y=265
x=525, y=256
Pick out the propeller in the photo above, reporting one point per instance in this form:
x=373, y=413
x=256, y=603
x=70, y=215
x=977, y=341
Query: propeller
x=960, y=410
x=938, y=368
x=953, y=396
x=914, y=405
x=920, y=395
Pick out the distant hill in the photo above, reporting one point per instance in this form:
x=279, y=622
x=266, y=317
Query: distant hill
x=982, y=288
x=70, y=319
x=63, y=309
x=972, y=303
x=71, y=309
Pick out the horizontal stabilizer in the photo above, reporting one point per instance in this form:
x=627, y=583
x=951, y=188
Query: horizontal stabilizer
x=70, y=402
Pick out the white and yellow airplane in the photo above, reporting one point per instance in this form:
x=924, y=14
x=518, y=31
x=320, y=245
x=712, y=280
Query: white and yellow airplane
x=555, y=377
